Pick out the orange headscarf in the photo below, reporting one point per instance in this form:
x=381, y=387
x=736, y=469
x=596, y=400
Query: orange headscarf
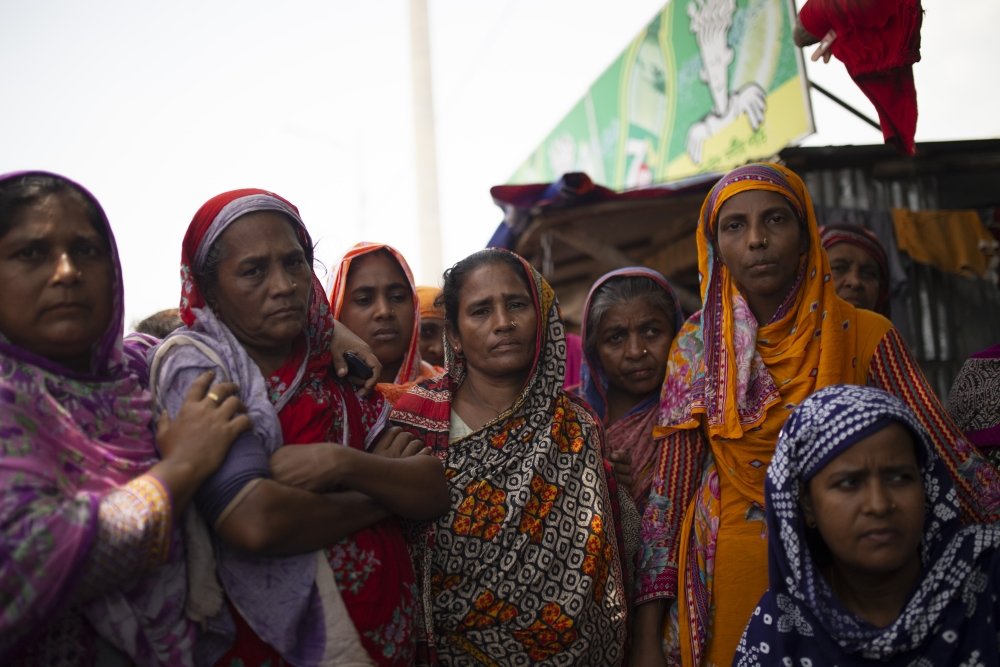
x=413, y=369
x=431, y=305
x=726, y=366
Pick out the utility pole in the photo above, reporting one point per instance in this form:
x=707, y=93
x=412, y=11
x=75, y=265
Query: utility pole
x=428, y=212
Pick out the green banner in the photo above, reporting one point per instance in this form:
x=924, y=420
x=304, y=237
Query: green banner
x=707, y=85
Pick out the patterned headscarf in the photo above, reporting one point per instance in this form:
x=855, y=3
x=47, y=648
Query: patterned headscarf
x=723, y=362
x=831, y=235
x=593, y=378
x=947, y=617
x=530, y=511
x=69, y=439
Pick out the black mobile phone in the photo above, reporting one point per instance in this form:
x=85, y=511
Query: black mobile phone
x=356, y=367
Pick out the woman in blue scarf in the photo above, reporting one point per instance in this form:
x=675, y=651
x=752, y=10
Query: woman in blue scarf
x=868, y=562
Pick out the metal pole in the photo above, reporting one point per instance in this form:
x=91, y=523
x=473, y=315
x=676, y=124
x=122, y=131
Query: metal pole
x=845, y=105
x=428, y=212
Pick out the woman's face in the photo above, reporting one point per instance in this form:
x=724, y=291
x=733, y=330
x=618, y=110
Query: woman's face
x=262, y=293
x=868, y=504
x=856, y=275
x=432, y=340
x=56, y=273
x=633, y=339
x=378, y=307
x=496, y=322
x=760, y=241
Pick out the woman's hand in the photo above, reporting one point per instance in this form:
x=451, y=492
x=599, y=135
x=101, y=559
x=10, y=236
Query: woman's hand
x=314, y=467
x=345, y=340
x=194, y=443
x=621, y=462
x=395, y=443
x=210, y=418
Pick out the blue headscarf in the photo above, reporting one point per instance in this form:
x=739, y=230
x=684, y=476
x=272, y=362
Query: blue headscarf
x=951, y=616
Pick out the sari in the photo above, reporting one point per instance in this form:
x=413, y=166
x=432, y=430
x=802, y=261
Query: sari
x=974, y=401
x=350, y=603
x=731, y=383
x=92, y=567
x=524, y=567
x=413, y=369
x=633, y=432
x=951, y=616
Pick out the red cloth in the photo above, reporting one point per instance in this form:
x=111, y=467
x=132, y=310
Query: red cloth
x=878, y=41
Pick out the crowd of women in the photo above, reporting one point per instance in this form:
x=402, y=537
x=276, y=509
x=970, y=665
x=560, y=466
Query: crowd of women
x=768, y=481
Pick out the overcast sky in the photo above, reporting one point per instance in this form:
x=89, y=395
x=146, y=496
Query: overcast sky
x=157, y=106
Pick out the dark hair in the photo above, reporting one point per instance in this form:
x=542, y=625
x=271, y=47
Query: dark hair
x=623, y=289
x=160, y=324
x=454, y=278
x=207, y=276
x=29, y=189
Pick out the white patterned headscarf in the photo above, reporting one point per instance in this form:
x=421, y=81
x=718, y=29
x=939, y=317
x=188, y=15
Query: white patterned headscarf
x=800, y=617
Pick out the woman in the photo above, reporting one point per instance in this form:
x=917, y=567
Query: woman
x=431, y=320
x=254, y=310
x=859, y=266
x=374, y=295
x=629, y=321
x=524, y=567
x=92, y=569
x=772, y=331
x=872, y=566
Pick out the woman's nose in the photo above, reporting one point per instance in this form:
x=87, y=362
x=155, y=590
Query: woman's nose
x=66, y=270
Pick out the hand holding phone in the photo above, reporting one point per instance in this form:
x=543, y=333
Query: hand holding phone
x=356, y=367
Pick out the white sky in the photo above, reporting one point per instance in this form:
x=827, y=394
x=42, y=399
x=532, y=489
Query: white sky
x=157, y=106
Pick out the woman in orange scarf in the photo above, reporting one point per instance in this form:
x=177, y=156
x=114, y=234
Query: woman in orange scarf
x=375, y=296
x=771, y=331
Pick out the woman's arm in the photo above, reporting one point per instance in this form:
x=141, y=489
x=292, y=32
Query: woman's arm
x=399, y=474
x=277, y=520
x=647, y=629
x=345, y=340
x=894, y=369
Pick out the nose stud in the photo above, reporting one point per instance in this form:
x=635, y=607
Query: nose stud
x=644, y=351
x=513, y=324
x=764, y=242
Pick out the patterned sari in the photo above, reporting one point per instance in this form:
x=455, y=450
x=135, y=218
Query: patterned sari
x=632, y=432
x=82, y=525
x=951, y=616
x=413, y=369
x=730, y=385
x=288, y=610
x=525, y=566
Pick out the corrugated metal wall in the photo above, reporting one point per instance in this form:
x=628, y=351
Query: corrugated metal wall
x=944, y=317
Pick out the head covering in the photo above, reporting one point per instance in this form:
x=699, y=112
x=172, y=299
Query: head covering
x=430, y=303
x=951, y=615
x=531, y=510
x=724, y=362
x=831, y=235
x=69, y=439
x=594, y=380
x=413, y=368
x=633, y=431
x=974, y=400
x=290, y=602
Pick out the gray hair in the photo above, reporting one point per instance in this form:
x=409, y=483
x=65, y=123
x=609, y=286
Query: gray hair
x=622, y=289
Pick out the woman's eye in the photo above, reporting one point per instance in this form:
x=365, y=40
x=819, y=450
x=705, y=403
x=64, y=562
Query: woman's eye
x=837, y=269
x=398, y=297
x=732, y=225
x=516, y=305
x=29, y=252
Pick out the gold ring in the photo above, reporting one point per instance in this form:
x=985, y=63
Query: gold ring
x=215, y=397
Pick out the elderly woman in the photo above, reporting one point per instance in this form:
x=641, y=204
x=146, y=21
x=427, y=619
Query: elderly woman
x=629, y=320
x=293, y=523
x=859, y=266
x=873, y=566
x=771, y=331
x=524, y=567
x=375, y=296
x=91, y=565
